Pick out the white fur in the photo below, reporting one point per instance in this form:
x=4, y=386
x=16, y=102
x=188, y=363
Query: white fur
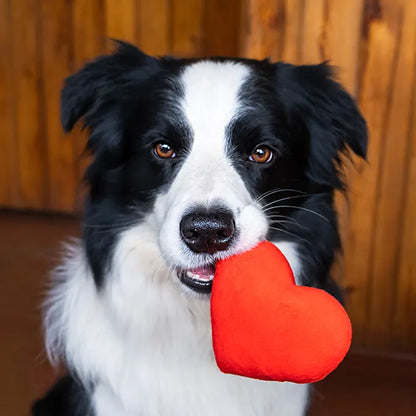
x=148, y=344
x=143, y=340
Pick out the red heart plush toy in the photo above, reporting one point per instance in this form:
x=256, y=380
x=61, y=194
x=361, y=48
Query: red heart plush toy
x=264, y=326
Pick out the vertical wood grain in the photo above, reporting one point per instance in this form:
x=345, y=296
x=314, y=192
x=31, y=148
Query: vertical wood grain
x=9, y=164
x=56, y=63
x=155, y=26
x=222, y=20
x=404, y=322
x=262, y=29
x=293, y=15
x=342, y=39
x=121, y=19
x=89, y=37
x=314, y=18
x=187, y=27
x=26, y=72
x=381, y=33
x=342, y=26
x=88, y=28
x=392, y=178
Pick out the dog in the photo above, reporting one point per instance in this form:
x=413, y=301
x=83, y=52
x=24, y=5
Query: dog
x=194, y=160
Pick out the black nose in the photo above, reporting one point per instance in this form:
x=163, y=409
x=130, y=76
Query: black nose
x=207, y=231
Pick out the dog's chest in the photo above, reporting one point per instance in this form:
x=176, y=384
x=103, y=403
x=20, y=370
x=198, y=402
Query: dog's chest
x=147, y=348
x=191, y=389
x=173, y=373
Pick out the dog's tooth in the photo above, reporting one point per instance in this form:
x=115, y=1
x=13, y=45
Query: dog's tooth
x=189, y=274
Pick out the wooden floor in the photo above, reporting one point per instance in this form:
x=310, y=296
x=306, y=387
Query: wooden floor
x=364, y=385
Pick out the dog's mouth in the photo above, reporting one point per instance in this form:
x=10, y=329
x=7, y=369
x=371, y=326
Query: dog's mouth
x=198, y=279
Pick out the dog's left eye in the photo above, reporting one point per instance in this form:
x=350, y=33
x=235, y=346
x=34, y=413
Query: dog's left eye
x=261, y=154
x=164, y=150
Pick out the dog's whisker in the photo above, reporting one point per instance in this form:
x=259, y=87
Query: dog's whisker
x=291, y=197
x=276, y=220
x=285, y=199
x=279, y=221
x=296, y=207
x=109, y=226
x=274, y=191
x=292, y=234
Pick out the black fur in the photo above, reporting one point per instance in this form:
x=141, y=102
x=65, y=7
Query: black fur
x=66, y=398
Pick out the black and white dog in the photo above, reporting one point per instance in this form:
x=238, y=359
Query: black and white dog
x=193, y=160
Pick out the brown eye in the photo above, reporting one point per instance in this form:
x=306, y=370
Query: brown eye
x=164, y=150
x=261, y=154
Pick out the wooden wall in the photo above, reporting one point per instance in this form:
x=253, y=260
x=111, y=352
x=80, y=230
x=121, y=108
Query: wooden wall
x=373, y=42
x=43, y=41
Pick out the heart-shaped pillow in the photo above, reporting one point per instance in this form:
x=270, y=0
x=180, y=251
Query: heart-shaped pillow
x=264, y=326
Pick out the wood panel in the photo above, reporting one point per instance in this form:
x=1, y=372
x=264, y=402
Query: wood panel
x=121, y=19
x=187, y=16
x=262, y=32
x=56, y=58
x=155, y=27
x=88, y=41
x=293, y=16
x=404, y=322
x=222, y=18
x=391, y=177
x=373, y=42
x=312, y=32
x=9, y=163
x=25, y=24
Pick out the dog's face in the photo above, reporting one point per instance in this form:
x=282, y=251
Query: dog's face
x=219, y=153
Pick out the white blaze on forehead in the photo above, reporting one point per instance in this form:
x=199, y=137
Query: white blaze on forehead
x=211, y=99
x=207, y=176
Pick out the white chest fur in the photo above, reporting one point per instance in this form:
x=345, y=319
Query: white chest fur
x=146, y=344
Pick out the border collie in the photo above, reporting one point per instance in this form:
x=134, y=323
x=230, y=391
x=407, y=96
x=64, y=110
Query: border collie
x=194, y=160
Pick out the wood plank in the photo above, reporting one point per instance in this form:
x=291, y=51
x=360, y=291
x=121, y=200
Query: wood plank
x=56, y=56
x=88, y=31
x=120, y=18
x=342, y=26
x=342, y=39
x=312, y=32
x=9, y=163
x=222, y=20
x=293, y=26
x=187, y=27
x=391, y=182
x=31, y=145
x=155, y=26
x=381, y=33
x=262, y=29
x=89, y=41
x=404, y=323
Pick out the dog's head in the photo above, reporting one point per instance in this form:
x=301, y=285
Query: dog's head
x=205, y=150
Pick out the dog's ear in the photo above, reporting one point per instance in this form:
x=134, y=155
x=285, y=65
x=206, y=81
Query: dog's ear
x=92, y=91
x=314, y=101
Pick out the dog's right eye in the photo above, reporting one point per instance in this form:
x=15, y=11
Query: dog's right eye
x=164, y=150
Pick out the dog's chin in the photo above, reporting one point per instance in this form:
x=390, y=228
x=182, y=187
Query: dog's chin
x=198, y=280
